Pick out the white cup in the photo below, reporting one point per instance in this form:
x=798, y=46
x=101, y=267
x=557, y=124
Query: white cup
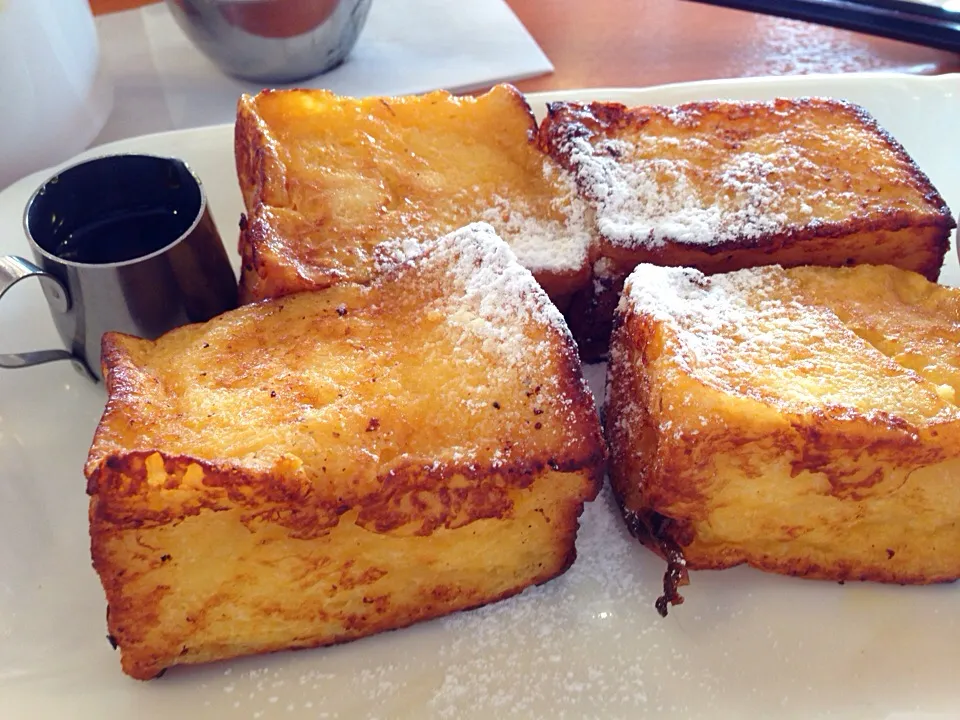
x=55, y=93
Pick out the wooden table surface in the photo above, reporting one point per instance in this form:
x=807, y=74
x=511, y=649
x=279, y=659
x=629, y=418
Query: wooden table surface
x=633, y=43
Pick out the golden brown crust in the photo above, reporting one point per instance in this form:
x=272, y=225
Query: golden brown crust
x=347, y=442
x=326, y=179
x=270, y=269
x=260, y=169
x=870, y=203
x=735, y=122
x=719, y=460
x=309, y=589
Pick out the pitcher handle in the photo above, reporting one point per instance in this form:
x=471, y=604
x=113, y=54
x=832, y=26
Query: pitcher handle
x=13, y=269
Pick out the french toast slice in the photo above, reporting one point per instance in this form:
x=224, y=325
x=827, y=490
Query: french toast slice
x=803, y=421
x=326, y=178
x=311, y=469
x=725, y=185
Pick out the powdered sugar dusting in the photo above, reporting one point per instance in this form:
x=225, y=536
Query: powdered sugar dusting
x=649, y=201
x=550, y=229
x=483, y=655
x=719, y=319
x=604, y=272
x=765, y=334
x=532, y=656
x=688, y=299
x=493, y=296
x=556, y=243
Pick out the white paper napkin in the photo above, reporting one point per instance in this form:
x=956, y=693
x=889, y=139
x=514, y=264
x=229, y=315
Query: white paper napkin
x=162, y=82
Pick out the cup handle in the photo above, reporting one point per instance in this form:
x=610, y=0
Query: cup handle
x=13, y=269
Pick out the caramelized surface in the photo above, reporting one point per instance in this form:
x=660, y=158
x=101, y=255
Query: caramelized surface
x=437, y=396
x=720, y=172
x=804, y=338
x=801, y=420
x=223, y=584
x=724, y=185
x=916, y=324
x=326, y=178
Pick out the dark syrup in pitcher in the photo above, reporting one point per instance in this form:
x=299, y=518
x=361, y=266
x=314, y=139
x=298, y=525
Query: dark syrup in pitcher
x=122, y=236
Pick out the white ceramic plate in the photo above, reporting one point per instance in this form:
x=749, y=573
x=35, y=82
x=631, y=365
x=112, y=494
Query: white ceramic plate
x=588, y=644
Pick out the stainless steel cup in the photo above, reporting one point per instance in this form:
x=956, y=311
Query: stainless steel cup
x=125, y=243
x=272, y=40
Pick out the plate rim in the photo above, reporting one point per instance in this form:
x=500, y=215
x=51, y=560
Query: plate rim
x=542, y=96
x=211, y=135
